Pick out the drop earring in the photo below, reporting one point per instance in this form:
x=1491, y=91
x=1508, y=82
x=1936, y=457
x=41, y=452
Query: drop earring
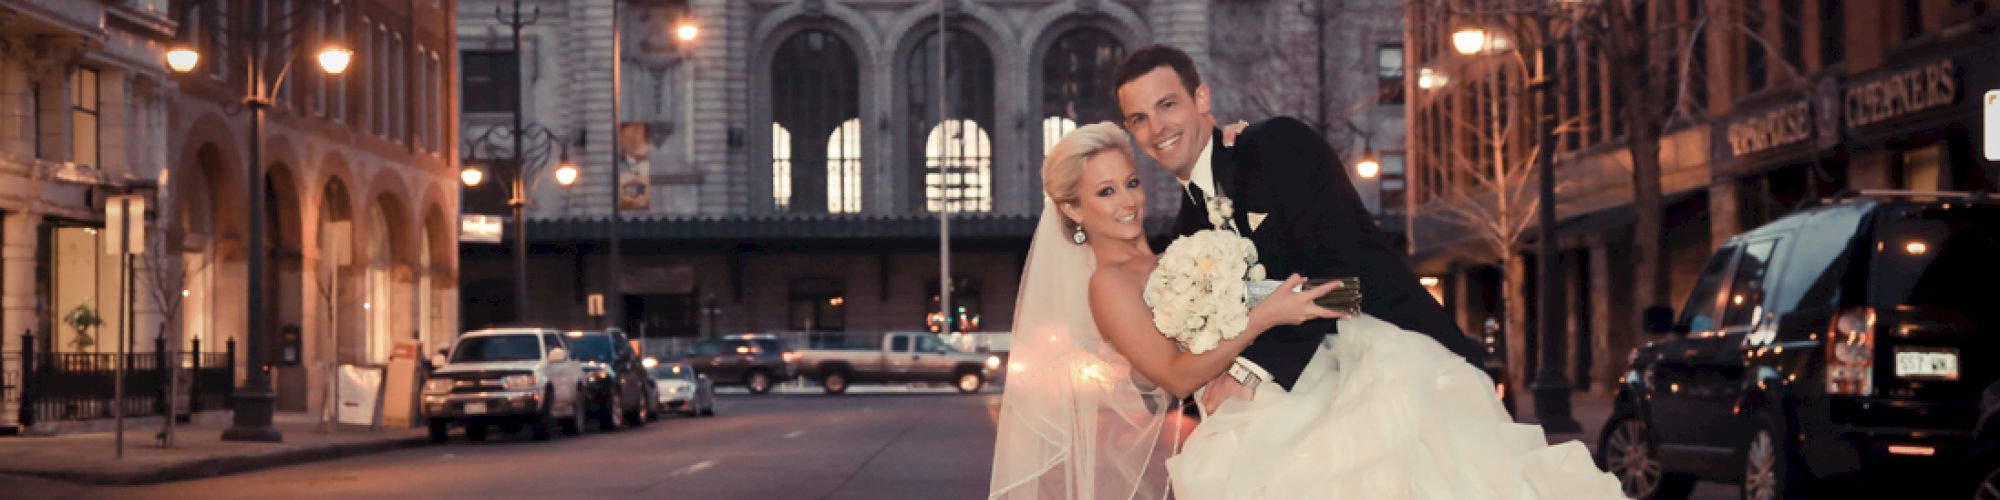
x=1078, y=236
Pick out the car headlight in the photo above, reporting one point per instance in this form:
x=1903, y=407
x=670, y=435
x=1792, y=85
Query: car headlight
x=438, y=385
x=992, y=362
x=517, y=382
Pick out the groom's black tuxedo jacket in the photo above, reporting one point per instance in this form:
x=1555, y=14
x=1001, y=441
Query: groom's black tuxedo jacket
x=1316, y=227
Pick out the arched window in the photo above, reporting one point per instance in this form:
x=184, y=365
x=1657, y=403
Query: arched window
x=843, y=168
x=781, y=167
x=1076, y=82
x=958, y=168
x=815, y=93
x=956, y=156
x=1053, y=129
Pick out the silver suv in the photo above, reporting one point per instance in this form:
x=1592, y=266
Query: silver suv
x=505, y=377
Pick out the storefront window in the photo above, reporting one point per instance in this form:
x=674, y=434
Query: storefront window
x=1922, y=169
x=84, y=305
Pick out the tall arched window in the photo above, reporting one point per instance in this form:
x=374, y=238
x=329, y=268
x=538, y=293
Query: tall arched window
x=1076, y=82
x=781, y=167
x=1053, y=129
x=958, y=167
x=843, y=168
x=957, y=157
x=815, y=92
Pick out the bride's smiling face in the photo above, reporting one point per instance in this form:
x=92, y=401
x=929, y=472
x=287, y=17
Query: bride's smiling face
x=1109, y=204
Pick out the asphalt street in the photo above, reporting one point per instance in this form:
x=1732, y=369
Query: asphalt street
x=917, y=446
x=922, y=445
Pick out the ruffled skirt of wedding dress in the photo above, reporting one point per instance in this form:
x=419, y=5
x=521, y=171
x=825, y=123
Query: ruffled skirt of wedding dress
x=1380, y=414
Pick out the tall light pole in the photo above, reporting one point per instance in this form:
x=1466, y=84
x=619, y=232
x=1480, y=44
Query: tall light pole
x=527, y=159
x=253, y=401
x=1551, y=385
x=945, y=200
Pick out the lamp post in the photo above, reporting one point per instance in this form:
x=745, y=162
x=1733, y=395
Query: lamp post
x=520, y=190
x=1551, y=386
x=528, y=159
x=253, y=401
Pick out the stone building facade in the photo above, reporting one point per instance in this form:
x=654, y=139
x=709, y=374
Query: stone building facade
x=784, y=170
x=367, y=150
x=1787, y=102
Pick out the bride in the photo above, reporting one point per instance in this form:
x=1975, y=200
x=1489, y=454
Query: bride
x=1089, y=410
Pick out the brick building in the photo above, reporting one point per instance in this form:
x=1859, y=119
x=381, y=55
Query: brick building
x=1786, y=101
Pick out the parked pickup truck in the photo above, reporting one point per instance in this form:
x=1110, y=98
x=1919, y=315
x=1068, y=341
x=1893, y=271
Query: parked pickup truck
x=901, y=357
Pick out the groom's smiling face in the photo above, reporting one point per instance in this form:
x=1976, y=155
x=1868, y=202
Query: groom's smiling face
x=1171, y=123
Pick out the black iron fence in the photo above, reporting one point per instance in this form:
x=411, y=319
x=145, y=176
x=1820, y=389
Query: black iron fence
x=79, y=386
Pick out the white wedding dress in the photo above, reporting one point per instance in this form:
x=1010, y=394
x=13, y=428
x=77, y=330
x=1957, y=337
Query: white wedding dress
x=1380, y=413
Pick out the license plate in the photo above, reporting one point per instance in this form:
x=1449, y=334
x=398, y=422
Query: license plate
x=1940, y=364
x=475, y=408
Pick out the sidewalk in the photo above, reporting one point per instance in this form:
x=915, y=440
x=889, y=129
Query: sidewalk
x=200, y=451
x=1588, y=410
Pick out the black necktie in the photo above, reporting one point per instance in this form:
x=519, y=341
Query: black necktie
x=1198, y=207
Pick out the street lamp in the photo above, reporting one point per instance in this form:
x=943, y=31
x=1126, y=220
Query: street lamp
x=1370, y=165
x=521, y=187
x=1551, y=386
x=687, y=31
x=253, y=402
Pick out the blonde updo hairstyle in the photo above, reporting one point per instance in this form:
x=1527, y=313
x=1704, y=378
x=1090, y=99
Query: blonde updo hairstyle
x=1063, y=169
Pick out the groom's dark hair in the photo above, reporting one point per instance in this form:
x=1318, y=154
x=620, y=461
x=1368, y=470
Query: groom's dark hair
x=1152, y=57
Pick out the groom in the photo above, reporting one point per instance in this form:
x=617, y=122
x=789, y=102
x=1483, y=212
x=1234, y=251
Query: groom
x=1293, y=199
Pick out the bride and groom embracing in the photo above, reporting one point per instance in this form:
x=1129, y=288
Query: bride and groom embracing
x=1298, y=400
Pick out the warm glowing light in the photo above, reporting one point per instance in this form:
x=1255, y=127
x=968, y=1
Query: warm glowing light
x=1921, y=451
x=182, y=58
x=1468, y=41
x=836, y=301
x=687, y=31
x=1368, y=167
x=1916, y=248
x=184, y=292
x=743, y=349
x=365, y=306
x=566, y=174
x=335, y=59
x=1429, y=79
x=650, y=362
x=472, y=175
x=1428, y=281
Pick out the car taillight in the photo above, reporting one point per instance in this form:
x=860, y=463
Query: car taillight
x=1850, y=353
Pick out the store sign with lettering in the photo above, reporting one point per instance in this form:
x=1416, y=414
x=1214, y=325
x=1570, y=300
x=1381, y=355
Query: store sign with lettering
x=1785, y=125
x=1902, y=93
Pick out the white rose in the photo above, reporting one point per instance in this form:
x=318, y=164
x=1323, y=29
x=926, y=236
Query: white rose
x=1203, y=343
x=1256, y=273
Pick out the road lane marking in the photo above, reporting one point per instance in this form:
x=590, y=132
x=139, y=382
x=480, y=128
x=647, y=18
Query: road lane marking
x=795, y=434
x=697, y=467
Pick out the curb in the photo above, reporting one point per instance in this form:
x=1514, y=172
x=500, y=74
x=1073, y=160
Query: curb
x=221, y=466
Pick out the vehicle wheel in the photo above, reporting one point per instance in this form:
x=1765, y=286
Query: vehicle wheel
x=573, y=424
x=835, y=382
x=758, y=382
x=1986, y=469
x=1626, y=451
x=538, y=426
x=1769, y=470
x=970, y=382
x=611, y=415
x=475, y=432
x=440, y=430
x=637, y=417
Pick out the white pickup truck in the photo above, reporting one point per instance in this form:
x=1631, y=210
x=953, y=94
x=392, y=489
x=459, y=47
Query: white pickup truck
x=901, y=357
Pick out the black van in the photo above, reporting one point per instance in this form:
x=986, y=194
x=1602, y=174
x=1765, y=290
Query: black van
x=1846, y=340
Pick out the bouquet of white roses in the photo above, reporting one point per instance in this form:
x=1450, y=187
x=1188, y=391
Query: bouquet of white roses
x=1198, y=292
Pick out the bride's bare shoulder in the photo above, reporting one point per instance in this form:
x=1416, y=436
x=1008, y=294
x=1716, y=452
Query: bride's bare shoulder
x=1115, y=281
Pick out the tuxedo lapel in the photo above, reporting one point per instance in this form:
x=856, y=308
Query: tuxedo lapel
x=1222, y=167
